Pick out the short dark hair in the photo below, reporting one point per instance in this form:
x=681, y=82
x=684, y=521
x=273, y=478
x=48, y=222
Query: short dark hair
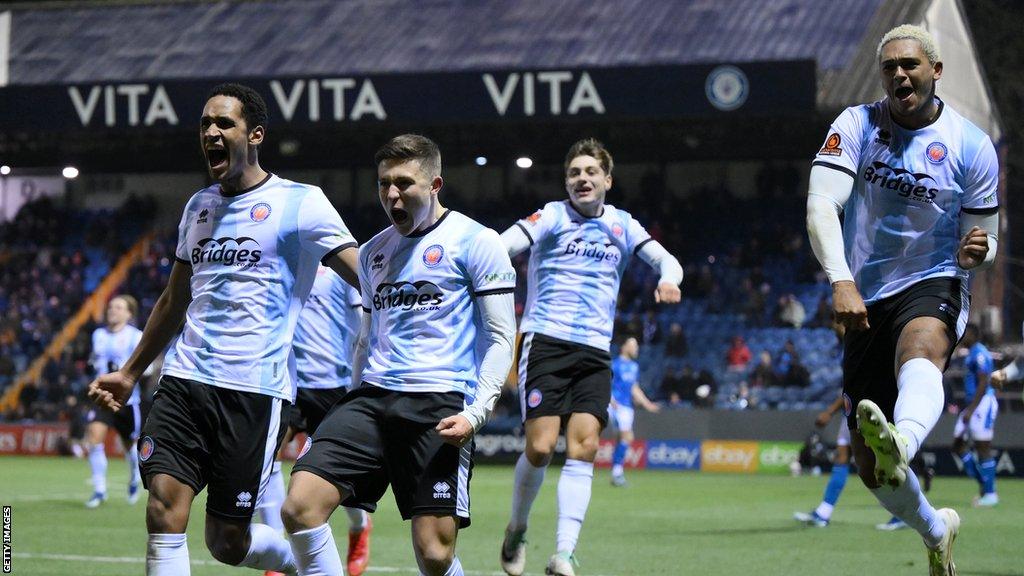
x=590, y=147
x=254, y=108
x=412, y=147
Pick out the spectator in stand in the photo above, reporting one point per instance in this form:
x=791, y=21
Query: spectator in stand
x=791, y=312
x=823, y=314
x=738, y=355
x=675, y=344
x=706, y=389
x=753, y=302
x=789, y=370
x=679, y=387
x=651, y=329
x=763, y=375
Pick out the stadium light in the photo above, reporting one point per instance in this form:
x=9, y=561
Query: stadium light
x=5, y=170
x=481, y=160
x=70, y=172
x=524, y=162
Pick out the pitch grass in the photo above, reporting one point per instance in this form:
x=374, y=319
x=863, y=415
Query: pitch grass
x=662, y=523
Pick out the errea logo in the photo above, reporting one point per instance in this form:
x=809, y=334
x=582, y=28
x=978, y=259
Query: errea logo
x=244, y=500
x=442, y=490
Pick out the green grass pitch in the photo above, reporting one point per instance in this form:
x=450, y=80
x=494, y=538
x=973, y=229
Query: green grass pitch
x=662, y=523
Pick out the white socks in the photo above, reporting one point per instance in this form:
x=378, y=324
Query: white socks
x=356, y=519
x=528, y=480
x=167, y=555
x=824, y=510
x=573, y=500
x=98, y=465
x=272, y=499
x=315, y=552
x=132, y=456
x=919, y=403
x=455, y=569
x=268, y=550
x=909, y=504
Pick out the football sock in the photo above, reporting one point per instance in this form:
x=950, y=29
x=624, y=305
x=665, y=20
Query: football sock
x=619, y=457
x=988, y=476
x=167, y=555
x=356, y=519
x=315, y=552
x=98, y=465
x=268, y=550
x=528, y=480
x=134, y=476
x=272, y=499
x=836, y=483
x=573, y=499
x=910, y=505
x=971, y=465
x=919, y=403
x=455, y=569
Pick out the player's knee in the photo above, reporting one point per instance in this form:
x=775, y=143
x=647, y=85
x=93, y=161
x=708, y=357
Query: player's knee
x=297, y=514
x=164, y=516
x=539, y=453
x=434, y=557
x=226, y=542
x=583, y=448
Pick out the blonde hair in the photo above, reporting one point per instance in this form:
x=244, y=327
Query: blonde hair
x=130, y=302
x=911, y=32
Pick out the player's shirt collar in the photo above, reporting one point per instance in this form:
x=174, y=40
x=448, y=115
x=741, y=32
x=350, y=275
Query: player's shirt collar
x=942, y=106
x=430, y=228
x=581, y=214
x=247, y=190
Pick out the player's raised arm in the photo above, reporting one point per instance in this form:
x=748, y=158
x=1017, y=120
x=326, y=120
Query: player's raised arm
x=671, y=271
x=828, y=192
x=640, y=398
x=112, y=390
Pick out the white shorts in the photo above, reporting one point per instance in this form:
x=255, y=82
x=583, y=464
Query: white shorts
x=983, y=421
x=622, y=416
x=843, y=436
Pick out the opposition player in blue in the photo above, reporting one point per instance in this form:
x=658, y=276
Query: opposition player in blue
x=579, y=249
x=977, y=420
x=822, y=515
x=625, y=390
x=434, y=348
x=917, y=185
x=112, y=344
x=247, y=254
x=324, y=342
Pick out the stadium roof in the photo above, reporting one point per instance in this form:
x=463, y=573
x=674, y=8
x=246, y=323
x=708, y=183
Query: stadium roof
x=317, y=37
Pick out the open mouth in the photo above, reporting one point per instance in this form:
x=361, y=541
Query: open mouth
x=903, y=92
x=399, y=216
x=216, y=157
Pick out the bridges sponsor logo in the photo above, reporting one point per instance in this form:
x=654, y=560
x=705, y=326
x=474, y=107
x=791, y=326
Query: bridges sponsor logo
x=421, y=295
x=729, y=456
x=243, y=251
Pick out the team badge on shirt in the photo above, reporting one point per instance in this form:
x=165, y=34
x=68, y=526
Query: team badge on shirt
x=617, y=229
x=260, y=212
x=832, y=146
x=432, y=255
x=936, y=152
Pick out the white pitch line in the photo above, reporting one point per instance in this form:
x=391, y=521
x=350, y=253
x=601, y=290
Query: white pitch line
x=140, y=560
